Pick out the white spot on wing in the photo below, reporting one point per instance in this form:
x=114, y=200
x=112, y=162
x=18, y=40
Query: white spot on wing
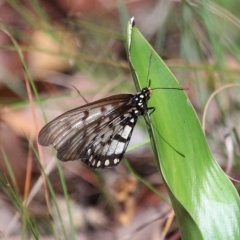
x=93, y=163
x=132, y=120
x=112, y=147
x=99, y=163
x=116, y=161
x=126, y=132
x=107, y=162
x=119, y=148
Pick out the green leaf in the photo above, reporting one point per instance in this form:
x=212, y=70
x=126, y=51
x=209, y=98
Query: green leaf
x=205, y=202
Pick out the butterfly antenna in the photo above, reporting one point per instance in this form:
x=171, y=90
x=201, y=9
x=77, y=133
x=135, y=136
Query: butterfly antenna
x=149, y=64
x=85, y=100
x=170, y=88
x=149, y=80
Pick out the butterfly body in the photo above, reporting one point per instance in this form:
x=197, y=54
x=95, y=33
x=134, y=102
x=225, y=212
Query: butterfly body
x=97, y=133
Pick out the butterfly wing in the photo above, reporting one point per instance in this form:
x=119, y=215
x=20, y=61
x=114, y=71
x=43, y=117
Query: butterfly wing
x=79, y=133
x=112, y=151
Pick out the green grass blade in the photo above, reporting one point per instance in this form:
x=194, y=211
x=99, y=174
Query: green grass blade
x=205, y=201
x=11, y=191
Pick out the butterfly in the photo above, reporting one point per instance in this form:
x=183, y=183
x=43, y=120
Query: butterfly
x=97, y=133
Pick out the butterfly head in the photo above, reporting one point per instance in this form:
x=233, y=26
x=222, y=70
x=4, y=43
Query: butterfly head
x=145, y=93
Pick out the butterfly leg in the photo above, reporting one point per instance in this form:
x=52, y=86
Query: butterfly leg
x=147, y=119
x=152, y=109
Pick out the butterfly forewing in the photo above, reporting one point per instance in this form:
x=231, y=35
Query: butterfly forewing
x=68, y=124
x=97, y=133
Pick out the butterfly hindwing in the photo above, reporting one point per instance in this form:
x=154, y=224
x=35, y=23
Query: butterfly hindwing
x=107, y=149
